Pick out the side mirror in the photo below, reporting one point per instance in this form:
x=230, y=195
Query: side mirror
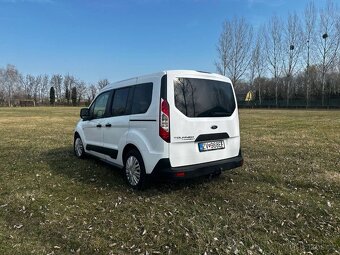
x=85, y=113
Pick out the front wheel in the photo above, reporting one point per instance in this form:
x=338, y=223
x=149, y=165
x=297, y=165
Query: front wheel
x=78, y=147
x=135, y=170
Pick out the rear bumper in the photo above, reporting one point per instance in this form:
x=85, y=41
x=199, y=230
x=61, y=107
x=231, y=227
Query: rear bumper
x=164, y=168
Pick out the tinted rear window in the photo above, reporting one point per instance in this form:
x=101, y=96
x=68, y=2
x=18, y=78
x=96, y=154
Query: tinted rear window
x=141, y=98
x=204, y=98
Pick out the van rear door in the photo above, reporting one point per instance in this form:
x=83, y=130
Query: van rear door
x=204, y=123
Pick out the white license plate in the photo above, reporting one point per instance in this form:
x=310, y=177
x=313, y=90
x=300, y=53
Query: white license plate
x=210, y=146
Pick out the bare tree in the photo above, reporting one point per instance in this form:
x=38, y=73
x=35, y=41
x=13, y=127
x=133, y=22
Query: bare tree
x=328, y=41
x=233, y=49
x=44, y=88
x=37, y=88
x=25, y=82
x=2, y=87
x=309, y=36
x=20, y=93
x=81, y=90
x=257, y=64
x=337, y=71
x=292, y=49
x=92, y=92
x=69, y=83
x=102, y=83
x=273, y=42
x=11, y=82
x=30, y=79
x=56, y=81
x=252, y=66
x=224, y=48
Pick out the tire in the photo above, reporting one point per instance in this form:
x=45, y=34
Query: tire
x=134, y=170
x=78, y=147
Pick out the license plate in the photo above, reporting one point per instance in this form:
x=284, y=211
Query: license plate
x=210, y=146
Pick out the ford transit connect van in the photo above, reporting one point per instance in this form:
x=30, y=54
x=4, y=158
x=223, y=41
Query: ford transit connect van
x=180, y=124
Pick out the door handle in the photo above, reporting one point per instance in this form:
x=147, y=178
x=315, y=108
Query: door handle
x=108, y=125
x=99, y=125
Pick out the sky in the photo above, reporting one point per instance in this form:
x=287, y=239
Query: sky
x=119, y=39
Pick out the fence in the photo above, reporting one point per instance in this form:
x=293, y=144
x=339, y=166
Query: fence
x=329, y=103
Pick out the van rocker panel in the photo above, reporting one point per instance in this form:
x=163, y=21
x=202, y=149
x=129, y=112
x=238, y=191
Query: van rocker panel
x=164, y=168
x=107, y=151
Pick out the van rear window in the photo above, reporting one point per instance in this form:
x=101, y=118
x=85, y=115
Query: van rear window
x=204, y=98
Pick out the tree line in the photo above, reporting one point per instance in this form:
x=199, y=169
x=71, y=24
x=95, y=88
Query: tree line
x=285, y=62
x=56, y=89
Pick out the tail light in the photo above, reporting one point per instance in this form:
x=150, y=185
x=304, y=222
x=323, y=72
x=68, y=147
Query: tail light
x=180, y=174
x=164, y=121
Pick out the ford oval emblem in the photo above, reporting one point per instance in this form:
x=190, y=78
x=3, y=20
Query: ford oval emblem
x=213, y=127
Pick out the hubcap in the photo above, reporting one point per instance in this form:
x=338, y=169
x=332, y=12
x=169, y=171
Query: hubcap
x=132, y=170
x=79, y=147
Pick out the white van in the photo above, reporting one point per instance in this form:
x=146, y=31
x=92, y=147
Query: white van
x=181, y=124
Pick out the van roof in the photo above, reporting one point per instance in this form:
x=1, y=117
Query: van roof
x=160, y=74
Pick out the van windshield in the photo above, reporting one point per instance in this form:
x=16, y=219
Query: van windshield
x=204, y=98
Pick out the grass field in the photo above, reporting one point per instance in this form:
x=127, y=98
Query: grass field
x=284, y=200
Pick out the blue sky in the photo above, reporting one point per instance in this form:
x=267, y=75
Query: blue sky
x=118, y=39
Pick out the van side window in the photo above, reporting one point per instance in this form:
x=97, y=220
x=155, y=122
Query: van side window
x=119, y=104
x=99, y=106
x=141, y=98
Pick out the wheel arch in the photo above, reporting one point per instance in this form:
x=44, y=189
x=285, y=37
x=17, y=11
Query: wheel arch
x=76, y=134
x=80, y=134
x=128, y=148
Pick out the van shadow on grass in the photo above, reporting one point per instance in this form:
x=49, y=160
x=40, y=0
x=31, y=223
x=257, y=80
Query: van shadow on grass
x=93, y=171
x=89, y=170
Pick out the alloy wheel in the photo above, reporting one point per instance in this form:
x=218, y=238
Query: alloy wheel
x=133, y=170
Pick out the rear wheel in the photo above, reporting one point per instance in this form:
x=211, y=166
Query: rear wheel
x=78, y=147
x=134, y=167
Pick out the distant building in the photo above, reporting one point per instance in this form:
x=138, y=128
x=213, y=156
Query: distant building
x=250, y=96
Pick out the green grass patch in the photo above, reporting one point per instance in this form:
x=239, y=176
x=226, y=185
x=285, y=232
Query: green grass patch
x=284, y=200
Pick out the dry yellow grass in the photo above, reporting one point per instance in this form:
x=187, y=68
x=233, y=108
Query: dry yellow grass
x=284, y=200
